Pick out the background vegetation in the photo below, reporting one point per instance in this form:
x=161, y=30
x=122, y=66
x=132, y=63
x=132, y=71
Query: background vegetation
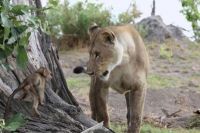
x=75, y=19
x=192, y=14
x=15, y=33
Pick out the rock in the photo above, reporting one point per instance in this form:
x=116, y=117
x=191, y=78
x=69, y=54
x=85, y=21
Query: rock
x=176, y=32
x=154, y=29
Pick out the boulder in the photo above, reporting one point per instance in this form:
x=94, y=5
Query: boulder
x=154, y=29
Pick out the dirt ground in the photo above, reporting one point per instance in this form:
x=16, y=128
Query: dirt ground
x=174, y=81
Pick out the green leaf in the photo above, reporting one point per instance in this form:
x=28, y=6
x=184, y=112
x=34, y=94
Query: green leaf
x=32, y=20
x=20, y=9
x=8, y=50
x=5, y=51
x=5, y=20
x=2, y=121
x=12, y=40
x=24, y=39
x=6, y=4
x=6, y=33
x=2, y=54
x=22, y=58
x=15, y=122
x=54, y=2
x=21, y=29
x=2, y=46
x=15, y=35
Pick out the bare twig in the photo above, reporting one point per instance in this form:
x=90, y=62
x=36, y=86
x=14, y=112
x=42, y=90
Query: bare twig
x=174, y=114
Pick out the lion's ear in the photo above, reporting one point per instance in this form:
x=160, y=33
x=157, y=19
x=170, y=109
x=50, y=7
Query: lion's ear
x=109, y=37
x=93, y=28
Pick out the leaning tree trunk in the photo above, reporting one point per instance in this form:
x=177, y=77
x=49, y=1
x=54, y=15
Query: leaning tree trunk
x=61, y=112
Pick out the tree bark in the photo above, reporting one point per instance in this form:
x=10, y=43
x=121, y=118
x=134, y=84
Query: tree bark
x=61, y=112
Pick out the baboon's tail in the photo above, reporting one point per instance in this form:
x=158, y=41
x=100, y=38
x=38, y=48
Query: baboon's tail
x=8, y=103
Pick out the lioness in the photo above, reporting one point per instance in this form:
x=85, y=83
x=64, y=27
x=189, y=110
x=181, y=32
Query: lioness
x=118, y=59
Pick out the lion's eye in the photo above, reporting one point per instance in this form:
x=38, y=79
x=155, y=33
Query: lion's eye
x=97, y=54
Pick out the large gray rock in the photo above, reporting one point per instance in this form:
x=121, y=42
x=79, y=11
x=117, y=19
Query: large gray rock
x=154, y=29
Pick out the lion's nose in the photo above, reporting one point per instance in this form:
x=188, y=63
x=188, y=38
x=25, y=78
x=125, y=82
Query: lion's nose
x=105, y=73
x=78, y=70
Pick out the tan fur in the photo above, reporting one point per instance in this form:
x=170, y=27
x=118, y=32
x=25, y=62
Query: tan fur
x=120, y=52
x=33, y=85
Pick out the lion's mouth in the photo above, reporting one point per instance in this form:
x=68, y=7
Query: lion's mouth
x=105, y=75
x=81, y=69
x=90, y=73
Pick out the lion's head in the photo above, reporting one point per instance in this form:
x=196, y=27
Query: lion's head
x=104, y=52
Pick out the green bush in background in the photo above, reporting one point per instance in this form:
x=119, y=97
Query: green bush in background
x=75, y=19
x=192, y=14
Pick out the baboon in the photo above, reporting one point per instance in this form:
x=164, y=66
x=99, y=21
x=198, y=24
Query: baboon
x=33, y=85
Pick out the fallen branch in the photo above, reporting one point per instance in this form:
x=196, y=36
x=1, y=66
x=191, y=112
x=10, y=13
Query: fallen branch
x=174, y=114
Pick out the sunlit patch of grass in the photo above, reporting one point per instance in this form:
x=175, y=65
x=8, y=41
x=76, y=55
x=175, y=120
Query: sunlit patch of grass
x=195, y=54
x=80, y=82
x=147, y=128
x=195, y=122
x=194, y=46
x=194, y=50
x=159, y=82
x=118, y=127
x=166, y=52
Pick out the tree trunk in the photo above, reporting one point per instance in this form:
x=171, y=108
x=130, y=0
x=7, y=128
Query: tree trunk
x=153, y=11
x=61, y=112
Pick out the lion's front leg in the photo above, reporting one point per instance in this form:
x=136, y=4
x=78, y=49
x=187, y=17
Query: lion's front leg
x=127, y=96
x=137, y=96
x=98, y=101
x=92, y=100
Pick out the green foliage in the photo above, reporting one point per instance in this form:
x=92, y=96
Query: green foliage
x=75, y=19
x=191, y=11
x=54, y=17
x=150, y=129
x=147, y=128
x=195, y=122
x=12, y=124
x=16, y=25
x=129, y=15
x=118, y=127
x=2, y=124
